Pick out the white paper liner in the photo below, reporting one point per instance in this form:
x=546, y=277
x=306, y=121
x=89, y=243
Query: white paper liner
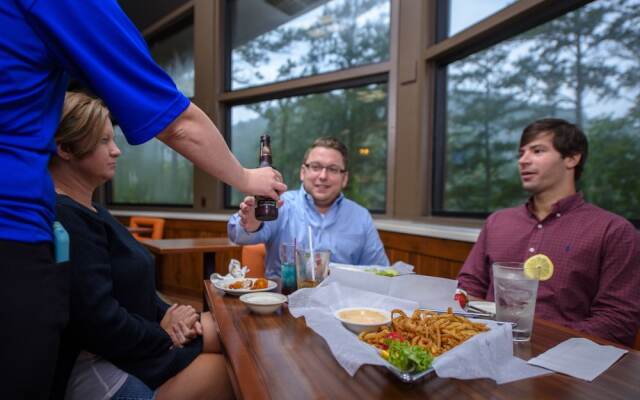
x=487, y=355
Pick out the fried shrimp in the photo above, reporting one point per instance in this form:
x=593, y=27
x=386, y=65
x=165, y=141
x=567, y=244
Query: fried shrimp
x=434, y=332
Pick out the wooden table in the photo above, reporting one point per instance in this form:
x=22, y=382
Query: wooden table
x=277, y=357
x=206, y=246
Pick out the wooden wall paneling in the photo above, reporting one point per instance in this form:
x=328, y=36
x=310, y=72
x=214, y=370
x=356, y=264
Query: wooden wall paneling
x=398, y=255
x=182, y=274
x=429, y=256
x=441, y=248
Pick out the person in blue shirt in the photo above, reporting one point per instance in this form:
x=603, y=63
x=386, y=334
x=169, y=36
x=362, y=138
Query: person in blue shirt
x=42, y=44
x=337, y=223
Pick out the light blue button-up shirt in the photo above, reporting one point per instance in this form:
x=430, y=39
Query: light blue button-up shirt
x=346, y=229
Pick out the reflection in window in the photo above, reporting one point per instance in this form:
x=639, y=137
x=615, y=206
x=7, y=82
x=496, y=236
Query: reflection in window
x=583, y=67
x=175, y=55
x=278, y=40
x=357, y=117
x=151, y=173
x=464, y=13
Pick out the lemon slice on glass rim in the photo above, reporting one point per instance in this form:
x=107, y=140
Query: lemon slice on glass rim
x=538, y=267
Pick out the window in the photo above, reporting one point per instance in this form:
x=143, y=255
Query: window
x=276, y=40
x=174, y=54
x=464, y=13
x=356, y=116
x=146, y=171
x=583, y=67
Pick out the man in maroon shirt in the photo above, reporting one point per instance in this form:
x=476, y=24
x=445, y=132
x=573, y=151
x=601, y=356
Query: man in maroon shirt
x=595, y=287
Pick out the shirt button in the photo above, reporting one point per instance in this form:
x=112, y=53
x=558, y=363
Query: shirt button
x=558, y=215
x=531, y=250
x=539, y=226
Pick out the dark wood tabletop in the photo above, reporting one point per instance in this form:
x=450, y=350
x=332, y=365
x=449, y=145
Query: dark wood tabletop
x=194, y=245
x=277, y=357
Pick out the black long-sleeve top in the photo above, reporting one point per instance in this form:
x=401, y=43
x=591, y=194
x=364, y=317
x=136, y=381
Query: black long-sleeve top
x=115, y=311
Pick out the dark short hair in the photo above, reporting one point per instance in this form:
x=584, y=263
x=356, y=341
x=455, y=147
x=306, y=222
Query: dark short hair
x=568, y=139
x=329, y=143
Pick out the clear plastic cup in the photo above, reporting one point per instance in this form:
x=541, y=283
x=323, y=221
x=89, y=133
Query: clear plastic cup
x=308, y=273
x=288, y=277
x=515, y=296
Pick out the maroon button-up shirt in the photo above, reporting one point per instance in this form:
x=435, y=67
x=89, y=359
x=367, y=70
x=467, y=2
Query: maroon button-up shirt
x=595, y=287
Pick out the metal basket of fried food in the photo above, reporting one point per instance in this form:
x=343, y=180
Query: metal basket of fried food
x=411, y=343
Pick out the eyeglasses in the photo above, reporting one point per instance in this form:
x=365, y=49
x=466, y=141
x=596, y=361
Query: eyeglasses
x=317, y=168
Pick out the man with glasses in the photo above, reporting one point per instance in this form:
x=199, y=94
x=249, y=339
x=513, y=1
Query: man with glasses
x=337, y=223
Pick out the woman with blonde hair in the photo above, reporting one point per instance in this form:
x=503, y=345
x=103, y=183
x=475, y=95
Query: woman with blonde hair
x=122, y=341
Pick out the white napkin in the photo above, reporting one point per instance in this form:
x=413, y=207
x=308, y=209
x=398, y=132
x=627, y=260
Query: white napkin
x=488, y=355
x=579, y=357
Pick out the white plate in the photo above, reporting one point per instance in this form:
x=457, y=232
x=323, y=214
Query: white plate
x=224, y=285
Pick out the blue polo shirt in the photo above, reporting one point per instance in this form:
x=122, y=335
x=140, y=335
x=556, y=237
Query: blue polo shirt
x=42, y=43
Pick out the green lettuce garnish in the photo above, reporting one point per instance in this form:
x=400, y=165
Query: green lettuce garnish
x=383, y=272
x=407, y=357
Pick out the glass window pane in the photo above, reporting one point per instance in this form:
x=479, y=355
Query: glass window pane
x=151, y=173
x=464, y=13
x=273, y=40
x=583, y=67
x=357, y=117
x=175, y=55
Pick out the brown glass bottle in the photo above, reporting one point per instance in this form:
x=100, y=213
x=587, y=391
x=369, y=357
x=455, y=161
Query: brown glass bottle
x=266, y=208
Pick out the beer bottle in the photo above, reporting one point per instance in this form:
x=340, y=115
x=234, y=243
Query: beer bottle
x=266, y=209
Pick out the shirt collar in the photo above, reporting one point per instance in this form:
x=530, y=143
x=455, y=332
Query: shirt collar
x=562, y=206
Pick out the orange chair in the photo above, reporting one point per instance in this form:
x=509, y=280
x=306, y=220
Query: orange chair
x=155, y=227
x=253, y=257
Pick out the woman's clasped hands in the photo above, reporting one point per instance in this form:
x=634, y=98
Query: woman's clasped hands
x=182, y=324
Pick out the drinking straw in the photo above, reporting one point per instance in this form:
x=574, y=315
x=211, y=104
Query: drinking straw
x=313, y=259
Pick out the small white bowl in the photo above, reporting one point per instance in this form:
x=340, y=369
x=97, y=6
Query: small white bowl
x=363, y=319
x=263, y=302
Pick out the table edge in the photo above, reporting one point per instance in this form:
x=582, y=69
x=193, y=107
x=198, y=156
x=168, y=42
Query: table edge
x=244, y=367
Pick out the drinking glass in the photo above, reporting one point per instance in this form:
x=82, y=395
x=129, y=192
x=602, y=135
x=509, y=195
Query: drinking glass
x=304, y=267
x=288, y=268
x=515, y=296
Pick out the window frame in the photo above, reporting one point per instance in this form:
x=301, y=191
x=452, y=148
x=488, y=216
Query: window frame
x=511, y=21
x=380, y=72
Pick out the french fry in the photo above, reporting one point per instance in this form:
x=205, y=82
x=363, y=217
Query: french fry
x=434, y=332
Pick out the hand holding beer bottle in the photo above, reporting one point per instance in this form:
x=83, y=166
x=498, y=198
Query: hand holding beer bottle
x=266, y=208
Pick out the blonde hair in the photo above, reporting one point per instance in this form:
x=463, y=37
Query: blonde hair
x=81, y=125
